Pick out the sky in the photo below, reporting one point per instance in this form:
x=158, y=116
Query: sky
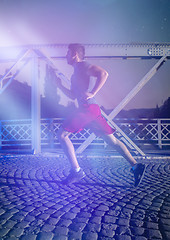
x=86, y=21
x=25, y=22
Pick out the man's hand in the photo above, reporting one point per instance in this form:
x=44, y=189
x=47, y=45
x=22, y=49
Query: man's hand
x=58, y=82
x=53, y=78
x=87, y=96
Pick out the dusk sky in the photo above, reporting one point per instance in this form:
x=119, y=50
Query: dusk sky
x=85, y=21
x=96, y=21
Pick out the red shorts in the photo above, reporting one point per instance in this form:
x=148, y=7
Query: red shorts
x=88, y=116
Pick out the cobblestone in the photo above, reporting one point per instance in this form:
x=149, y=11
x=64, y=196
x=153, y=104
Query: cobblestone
x=91, y=227
x=90, y=235
x=45, y=236
x=61, y=230
x=16, y=232
x=103, y=206
x=75, y=235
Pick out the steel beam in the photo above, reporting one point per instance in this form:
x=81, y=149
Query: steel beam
x=123, y=103
x=124, y=51
x=11, y=77
x=35, y=107
x=49, y=60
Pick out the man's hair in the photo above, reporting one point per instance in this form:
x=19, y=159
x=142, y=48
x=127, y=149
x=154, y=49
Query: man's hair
x=76, y=47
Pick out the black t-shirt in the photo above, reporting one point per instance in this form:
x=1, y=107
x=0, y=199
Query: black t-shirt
x=81, y=82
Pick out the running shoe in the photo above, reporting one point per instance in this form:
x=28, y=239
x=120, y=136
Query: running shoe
x=74, y=177
x=139, y=170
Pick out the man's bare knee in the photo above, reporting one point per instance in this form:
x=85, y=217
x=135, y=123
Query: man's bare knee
x=110, y=139
x=62, y=134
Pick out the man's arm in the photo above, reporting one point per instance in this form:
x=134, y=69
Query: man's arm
x=65, y=90
x=101, y=77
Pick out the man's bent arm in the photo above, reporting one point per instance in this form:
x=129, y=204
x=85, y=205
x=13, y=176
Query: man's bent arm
x=65, y=90
x=101, y=76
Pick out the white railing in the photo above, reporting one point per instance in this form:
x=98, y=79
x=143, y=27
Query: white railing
x=147, y=131
x=17, y=133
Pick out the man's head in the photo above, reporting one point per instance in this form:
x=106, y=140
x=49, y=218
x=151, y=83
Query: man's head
x=76, y=53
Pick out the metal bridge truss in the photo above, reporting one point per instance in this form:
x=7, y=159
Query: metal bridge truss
x=51, y=52
x=17, y=134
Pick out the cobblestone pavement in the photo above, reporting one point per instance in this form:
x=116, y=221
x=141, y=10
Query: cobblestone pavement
x=104, y=205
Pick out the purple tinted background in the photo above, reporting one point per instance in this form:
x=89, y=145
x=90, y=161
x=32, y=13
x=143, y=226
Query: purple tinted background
x=94, y=21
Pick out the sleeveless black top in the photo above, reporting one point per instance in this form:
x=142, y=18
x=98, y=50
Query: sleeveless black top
x=81, y=82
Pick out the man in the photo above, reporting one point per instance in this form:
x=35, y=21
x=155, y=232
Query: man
x=88, y=113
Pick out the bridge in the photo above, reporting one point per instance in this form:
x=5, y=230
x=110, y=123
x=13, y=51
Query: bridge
x=49, y=54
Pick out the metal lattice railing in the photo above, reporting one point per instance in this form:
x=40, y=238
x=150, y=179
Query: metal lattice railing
x=49, y=128
x=153, y=131
x=17, y=133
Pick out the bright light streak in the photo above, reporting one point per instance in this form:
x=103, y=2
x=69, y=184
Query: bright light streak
x=18, y=34
x=6, y=39
x=15, y=108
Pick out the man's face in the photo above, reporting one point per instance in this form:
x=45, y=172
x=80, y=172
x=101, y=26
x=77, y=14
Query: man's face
x=70, y=57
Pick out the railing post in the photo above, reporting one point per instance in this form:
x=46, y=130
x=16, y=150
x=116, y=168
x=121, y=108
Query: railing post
x=51, y=133
x=0, y=135
x=159, y=133
x=35, y=107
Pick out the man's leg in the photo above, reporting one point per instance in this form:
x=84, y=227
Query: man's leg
x=138, y=169
x=120, y=147
x=76, y=173
x=68, y=147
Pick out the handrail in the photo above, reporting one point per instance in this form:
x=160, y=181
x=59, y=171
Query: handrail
x=17, y=133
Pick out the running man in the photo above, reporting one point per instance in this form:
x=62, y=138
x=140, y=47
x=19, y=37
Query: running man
x=88, y=113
